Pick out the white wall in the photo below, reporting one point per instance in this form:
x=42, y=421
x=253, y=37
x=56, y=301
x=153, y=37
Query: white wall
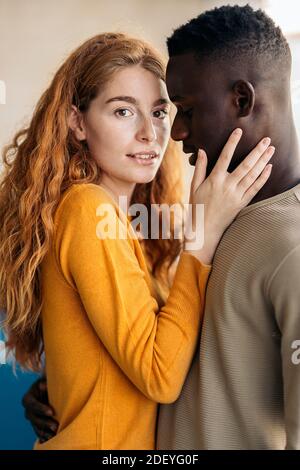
x=36, y=36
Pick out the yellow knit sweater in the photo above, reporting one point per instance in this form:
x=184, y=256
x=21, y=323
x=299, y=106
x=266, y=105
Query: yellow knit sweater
x=111, y=354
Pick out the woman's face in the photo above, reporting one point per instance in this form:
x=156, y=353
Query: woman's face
x=127, y=126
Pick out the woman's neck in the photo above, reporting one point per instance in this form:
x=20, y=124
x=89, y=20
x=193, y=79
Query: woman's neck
x=118, y=188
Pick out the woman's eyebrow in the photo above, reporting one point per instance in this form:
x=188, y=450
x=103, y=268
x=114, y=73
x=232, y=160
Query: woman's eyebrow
x=130, y=99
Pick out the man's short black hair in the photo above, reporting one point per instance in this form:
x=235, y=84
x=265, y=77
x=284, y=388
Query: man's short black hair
x=231, y=32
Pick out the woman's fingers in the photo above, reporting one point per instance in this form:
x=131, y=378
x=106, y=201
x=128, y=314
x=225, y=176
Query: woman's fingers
x=248, y=163
x=200, y=170
x=224, y=159
x=256, y=171
x=257, y=185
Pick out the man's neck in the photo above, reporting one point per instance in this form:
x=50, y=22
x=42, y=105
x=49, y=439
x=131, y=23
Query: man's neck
x=286, y=169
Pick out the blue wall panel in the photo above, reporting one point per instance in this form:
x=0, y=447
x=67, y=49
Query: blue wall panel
x=15, y=431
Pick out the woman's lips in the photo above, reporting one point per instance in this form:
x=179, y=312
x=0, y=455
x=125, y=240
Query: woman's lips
x=144, y=158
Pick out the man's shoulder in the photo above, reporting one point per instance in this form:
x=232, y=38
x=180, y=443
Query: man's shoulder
x=279, y=216
x=281, y=222
x=269, y=229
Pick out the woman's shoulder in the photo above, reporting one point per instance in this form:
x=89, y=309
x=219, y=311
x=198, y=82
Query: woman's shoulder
x=83, y=196
x=84, y=207
x=87, y=192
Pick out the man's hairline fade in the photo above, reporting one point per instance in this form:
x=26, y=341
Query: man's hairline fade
x=231, y=32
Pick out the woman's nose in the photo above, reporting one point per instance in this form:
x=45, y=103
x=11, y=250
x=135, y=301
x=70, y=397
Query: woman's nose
x=146, y=131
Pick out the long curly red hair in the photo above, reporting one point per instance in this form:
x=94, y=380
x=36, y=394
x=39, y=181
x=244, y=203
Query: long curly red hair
x=43, y=161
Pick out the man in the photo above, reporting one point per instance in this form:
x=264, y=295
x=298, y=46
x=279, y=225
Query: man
x=229, y=68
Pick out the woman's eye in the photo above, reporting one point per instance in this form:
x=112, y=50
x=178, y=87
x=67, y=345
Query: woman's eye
x=123, y=112
x=161, y=113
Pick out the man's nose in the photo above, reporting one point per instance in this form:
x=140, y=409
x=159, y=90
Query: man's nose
x=180, y=130
x=146, y=131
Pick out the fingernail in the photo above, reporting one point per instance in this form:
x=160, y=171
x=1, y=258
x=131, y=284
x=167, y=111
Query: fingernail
x=238, y=131
x=266, y=140
x=271, y=149
x=200, y=153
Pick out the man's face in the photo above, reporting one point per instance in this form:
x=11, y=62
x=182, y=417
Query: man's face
x=205, y=112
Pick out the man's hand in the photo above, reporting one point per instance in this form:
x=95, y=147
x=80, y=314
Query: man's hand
x=39, y=412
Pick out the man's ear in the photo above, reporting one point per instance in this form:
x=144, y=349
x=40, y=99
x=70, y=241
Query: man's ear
x=244, y=97
x=75, y=122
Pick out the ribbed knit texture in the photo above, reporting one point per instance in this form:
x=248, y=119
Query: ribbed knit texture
x=111, y=355
x=243, y=389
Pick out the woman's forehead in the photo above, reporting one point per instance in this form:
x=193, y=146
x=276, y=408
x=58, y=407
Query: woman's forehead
x=137, y=82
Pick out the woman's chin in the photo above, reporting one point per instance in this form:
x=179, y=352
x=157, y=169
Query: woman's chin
x=144, y=177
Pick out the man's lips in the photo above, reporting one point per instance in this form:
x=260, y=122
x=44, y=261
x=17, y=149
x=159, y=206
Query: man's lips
x=193, y=158
x=189, y=149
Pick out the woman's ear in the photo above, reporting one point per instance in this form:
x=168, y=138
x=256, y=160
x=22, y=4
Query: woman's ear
x=76, y=123
x=244, y=97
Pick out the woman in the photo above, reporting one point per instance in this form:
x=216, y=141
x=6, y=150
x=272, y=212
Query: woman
x=114, y=346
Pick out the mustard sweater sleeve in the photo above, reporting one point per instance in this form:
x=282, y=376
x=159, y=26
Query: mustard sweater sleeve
x=153, y=348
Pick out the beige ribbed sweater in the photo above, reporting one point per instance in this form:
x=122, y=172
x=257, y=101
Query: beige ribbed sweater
x=243, y=387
